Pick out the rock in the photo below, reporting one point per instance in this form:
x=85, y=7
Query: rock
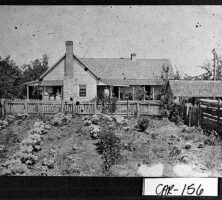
x=126, y=128
x=2, y=148
x=185, y=159
x=120, y=119
x=121, y=171
x=48, y=162
x=202, y=167
x=87, y=123
x=187, y=145
x=5, y=123
x=175, y=151
x=95, y=119
x=22, y=116
x=154, y=135
x=111, y=127
x=95, y=128
x=85, y=118
x=201, y=145
x=172, y=137
x=106, y=117
x=152, y=171
x=187, y=171
x=182, y=170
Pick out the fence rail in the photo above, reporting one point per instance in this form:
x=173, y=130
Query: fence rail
x=207, y=114
x=151, y=108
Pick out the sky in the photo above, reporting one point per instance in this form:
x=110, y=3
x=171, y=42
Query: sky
x=184, y=34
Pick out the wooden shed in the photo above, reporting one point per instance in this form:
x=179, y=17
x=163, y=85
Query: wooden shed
x=193, y=89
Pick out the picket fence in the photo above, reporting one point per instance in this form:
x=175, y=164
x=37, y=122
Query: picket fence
x=150, y=108
x=207, y=114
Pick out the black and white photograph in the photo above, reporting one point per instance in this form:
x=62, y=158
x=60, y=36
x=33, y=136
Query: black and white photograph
x=111, y=91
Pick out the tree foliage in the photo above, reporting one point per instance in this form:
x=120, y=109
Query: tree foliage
x=13, y=77
x=35, y=69
x=10, y=79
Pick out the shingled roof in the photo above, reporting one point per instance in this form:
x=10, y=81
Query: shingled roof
x=195, y=88
x=125, y=68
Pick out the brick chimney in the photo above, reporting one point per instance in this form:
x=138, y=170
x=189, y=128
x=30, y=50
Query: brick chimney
x=69, y=59
x=133, y=56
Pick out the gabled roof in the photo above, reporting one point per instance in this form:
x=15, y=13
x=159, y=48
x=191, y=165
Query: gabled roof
x=122, y=70
x=195, y=88
x=117, y=68
x=53, y=66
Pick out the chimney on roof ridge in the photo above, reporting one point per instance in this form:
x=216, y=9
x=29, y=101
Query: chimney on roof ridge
x=69, y=59
x=133, y=56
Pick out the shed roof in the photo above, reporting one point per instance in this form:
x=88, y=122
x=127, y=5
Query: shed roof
x=195, y=88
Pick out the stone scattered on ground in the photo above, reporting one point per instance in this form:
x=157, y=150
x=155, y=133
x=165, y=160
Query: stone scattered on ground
x=200, y=145
x=121, y=171
x=187, y=145
x=48, y=162
x=106, y=117
x=184, y=159
x=182, y=170
x=120, y=119
x=61, y=119
x=126, y=128
x=152, y=171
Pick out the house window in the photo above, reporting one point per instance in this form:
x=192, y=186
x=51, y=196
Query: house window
x=82, y=90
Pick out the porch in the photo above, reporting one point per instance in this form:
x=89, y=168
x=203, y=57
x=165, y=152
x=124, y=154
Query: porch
x=45, y=90
x=129, y=92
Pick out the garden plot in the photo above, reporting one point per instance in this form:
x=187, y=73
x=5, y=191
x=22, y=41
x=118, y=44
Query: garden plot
x=106, y=145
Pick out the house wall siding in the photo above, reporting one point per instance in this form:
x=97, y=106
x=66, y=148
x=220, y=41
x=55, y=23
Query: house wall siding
x=57, y=73
x=80, y=77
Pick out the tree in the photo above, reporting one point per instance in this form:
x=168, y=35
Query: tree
x=212, y=70
x=35, y=69
x=10, y=80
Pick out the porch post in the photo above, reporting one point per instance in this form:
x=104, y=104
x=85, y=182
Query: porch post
x=144, y=91
x=110, y=91
x=153, y=93
x=119, y=93
x=43, y=91
x=27, y=88
x=133, y=93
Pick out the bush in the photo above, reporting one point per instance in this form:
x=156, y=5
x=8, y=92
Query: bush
x=108, y=104
x=109, y=145
x=143, y=124
x=172, y=111
x=15, y=167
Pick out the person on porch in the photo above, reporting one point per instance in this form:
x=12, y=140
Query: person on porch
x=58, y=96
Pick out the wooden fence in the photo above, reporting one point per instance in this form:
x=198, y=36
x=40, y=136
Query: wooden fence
x=207, y=114
x=150, y=108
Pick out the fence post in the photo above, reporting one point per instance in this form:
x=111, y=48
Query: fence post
x=127, y=109
x=94, y=107
x=38, y=110
x=61, y=106
x=138, y=109
x=198, y=113
x=218, y=113
x=190, y=109
x=3, y=107
x=26, y=105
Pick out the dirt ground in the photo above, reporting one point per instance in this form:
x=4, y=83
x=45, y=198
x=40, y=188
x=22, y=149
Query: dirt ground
x=73, y=151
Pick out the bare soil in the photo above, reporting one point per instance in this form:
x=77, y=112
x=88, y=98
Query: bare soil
x=74, y=153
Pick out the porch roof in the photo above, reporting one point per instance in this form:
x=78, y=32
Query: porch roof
x=45, y=83
x=120, y=82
